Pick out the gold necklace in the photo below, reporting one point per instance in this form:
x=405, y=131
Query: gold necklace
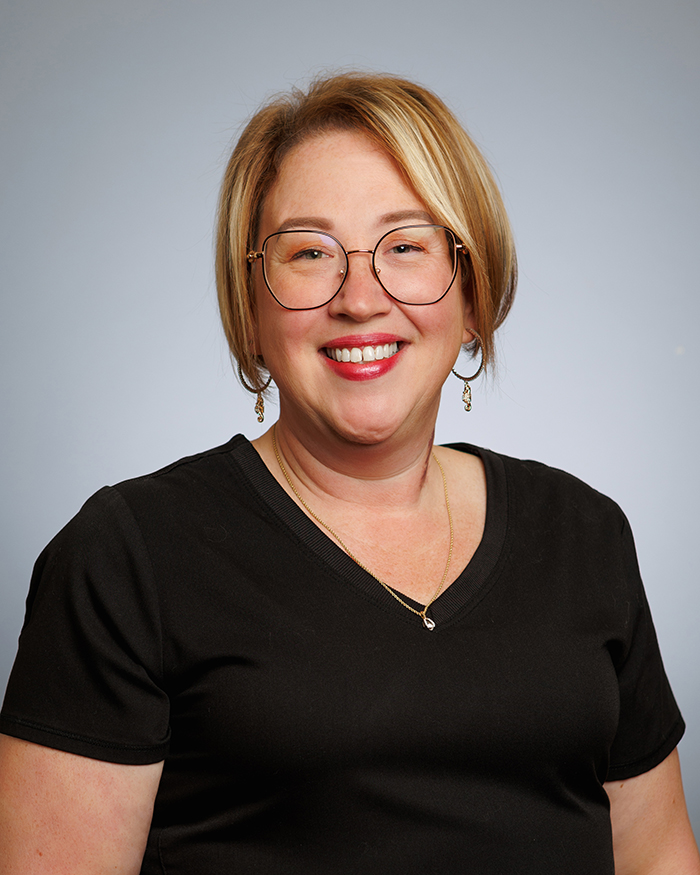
x=427, y=621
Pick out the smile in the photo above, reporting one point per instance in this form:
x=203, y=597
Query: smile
x=358, y=354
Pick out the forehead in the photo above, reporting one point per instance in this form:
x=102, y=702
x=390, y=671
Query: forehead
x=338, y=177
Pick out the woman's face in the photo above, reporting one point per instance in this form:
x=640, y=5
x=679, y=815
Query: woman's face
x=343, y=184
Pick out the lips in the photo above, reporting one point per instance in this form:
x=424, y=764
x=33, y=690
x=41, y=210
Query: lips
x=363, y=357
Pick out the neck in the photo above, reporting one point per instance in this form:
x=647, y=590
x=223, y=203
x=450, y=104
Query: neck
x=386, y=474
x=428, y=622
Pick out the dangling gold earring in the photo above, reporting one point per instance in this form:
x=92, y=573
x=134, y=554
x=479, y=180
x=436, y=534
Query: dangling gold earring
x=467, y=393
x=260, y=403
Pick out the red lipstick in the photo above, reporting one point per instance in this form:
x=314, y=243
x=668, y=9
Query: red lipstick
x=358, y=371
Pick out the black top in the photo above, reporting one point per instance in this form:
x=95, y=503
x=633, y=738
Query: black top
x=308, y=721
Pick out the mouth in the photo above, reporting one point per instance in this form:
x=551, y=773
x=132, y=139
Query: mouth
x=360, y=354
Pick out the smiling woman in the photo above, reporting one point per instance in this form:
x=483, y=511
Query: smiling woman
x=339, y=647
x=343, y=182
x=440, y=164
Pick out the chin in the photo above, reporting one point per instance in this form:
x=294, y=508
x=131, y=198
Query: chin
x=364, y=430
x=365, y=437
x=374, y=426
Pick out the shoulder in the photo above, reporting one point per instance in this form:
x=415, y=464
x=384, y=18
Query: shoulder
x=190, y=471
x=182, y=487
x=161, y=501
x=534, y=486
x=547, y=512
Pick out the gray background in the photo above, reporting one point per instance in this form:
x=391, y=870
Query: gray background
x=115, y=119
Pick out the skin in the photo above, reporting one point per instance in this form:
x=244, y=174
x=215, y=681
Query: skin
x=328, y=182
x=359, y=453
x=652, y=834
x=62, y=814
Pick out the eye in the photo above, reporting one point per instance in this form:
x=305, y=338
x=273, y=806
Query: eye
x=309, y=255
x=404, y=248
x=302, y=249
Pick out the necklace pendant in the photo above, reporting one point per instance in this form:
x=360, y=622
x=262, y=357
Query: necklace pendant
x=428, y=623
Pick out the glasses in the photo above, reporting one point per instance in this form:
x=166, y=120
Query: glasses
x=414, y=264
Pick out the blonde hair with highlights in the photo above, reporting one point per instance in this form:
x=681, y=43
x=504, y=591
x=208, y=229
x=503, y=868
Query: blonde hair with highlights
x=439, y=159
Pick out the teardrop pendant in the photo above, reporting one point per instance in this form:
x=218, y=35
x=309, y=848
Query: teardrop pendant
x=428, y=623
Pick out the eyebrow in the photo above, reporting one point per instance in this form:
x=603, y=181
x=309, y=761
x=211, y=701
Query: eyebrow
x=298, y=222
x=306, y=222
x=405, y=216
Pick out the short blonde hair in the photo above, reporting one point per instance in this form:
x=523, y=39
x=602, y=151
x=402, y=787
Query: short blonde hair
x=437, y=156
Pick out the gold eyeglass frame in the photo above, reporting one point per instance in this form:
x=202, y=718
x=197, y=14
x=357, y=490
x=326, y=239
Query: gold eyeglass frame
x=458, y=247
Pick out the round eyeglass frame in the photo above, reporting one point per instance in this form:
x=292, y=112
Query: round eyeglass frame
x=252, y=256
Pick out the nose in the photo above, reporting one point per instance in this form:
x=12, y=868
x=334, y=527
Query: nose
x=361, y=296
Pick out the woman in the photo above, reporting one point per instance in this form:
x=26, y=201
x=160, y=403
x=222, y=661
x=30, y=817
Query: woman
x=340, y=648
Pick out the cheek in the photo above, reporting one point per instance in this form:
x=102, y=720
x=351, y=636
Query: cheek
x=454, y=318
x=266, y=341
x=282, y=336
x=266, y=318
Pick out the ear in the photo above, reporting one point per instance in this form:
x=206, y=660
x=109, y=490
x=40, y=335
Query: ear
x=254, y=332
x=469, y=323
x=468, y=319
x=255, y=341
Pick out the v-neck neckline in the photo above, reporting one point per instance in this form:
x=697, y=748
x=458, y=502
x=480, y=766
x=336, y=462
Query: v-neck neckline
x=453, y=599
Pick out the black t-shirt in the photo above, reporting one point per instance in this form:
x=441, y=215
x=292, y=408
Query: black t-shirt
x=310, y=723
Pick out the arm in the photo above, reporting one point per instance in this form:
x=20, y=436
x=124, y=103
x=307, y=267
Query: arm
x=651, y=831
x=62, y=814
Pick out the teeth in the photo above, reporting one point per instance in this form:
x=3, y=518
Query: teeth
x=366, y=354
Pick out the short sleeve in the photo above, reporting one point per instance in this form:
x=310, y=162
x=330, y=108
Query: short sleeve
x=88, y=674
x=650, y=723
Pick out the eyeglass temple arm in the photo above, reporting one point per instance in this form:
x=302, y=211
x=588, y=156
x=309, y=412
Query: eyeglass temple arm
x=252, y=256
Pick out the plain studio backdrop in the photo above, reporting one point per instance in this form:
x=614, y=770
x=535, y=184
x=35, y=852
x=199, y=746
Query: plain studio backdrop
x=115, y=122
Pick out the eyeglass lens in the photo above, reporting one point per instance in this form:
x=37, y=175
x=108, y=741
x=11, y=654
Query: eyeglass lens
x=305, y=269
